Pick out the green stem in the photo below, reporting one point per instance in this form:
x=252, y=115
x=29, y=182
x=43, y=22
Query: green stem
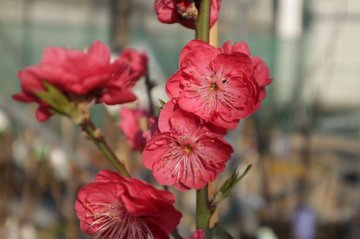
x=89, y=128
x=203, y=212
x=203, y=21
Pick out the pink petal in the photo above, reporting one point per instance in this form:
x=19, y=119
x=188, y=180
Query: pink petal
x=155, y=148
x=261, y=72
x=22, y=97
x=166, y=11
x=53, y=55
x=43, y=114
x=29, y=82
x=164, y=117
x=197, y=55
x=116, y=95
x=235, y=62
x=173, y=85
x=107, y=176
x=189, y=47
x=184, y=123
x=100, y=50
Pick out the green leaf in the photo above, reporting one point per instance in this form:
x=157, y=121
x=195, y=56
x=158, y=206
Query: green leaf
x=43, y=95
x=57, y=100
x=57, y=95
x=229, y=184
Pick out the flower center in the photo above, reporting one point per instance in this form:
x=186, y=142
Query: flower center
x=188, y=149
x=213, y=86
x=187, y=9
x=111, y=220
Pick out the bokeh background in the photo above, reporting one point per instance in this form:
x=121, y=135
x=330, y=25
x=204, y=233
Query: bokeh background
x=304, y=143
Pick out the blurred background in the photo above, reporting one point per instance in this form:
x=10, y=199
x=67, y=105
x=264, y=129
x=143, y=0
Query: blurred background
x=304, y=143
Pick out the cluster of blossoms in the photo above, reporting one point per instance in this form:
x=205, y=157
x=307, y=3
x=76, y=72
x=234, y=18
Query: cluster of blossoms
x=84, y=76
x=213, y=89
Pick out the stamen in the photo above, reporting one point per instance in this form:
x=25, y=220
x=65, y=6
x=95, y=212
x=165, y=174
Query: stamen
x=114, y=222
x=187, y=10
x=187, y=149
x=213, y=86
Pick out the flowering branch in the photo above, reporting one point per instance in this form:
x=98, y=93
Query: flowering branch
x=79, y=113
x=202, y=32
x=185, y=149
x=98, y=139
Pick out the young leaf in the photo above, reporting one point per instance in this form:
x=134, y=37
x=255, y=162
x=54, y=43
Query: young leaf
x=229, y=184
x=57, y=100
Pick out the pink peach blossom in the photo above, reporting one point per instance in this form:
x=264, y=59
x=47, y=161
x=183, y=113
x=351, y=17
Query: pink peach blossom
x=88, y=75
x=219, y=85
x=186, y=153
x=115, y=207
